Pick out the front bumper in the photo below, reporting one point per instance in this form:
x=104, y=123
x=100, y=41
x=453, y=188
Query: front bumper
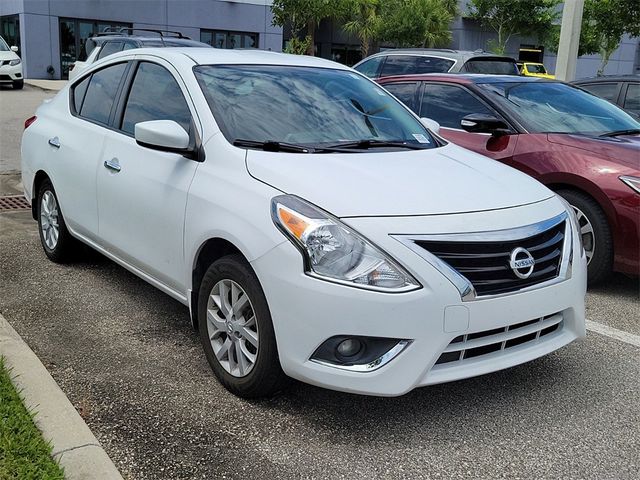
x=9, y=73
x=306, y=311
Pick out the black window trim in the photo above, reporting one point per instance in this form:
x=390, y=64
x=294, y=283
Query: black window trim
x=514, y=127
x=77, y=82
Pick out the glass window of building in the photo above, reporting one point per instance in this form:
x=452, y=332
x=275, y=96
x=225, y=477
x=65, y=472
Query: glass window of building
x=74, y=34
x=225, y=39
x=10, y=30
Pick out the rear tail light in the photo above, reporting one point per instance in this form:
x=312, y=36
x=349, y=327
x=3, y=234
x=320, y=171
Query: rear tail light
x=29, y=121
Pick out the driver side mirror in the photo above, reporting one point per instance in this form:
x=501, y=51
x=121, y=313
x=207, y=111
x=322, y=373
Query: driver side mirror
x=431, y=124
x=484, y=123
x=167, y=136
x=14, y=49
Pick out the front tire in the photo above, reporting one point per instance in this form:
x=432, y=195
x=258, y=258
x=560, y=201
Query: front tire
x=57, y=242
x=236, y=330
x=596, y=234
x=18, y=84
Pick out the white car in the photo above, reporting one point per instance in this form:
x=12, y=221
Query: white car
x=313, y=225
x=10, y=66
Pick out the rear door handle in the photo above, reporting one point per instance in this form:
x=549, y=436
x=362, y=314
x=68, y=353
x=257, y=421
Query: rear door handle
x=113, y=165
x=54, y=142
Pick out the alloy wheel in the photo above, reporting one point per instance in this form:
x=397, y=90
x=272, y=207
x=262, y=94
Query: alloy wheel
x=232, y=328
x=49, y=219
x=587, y=234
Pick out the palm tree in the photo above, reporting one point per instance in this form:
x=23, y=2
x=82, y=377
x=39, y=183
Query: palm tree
x=364, y=22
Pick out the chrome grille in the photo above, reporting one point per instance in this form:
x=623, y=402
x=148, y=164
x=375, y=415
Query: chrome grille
x=472, y=345
x=486, y=263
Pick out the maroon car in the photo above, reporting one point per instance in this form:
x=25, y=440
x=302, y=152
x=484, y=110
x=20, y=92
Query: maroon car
x=579, y=145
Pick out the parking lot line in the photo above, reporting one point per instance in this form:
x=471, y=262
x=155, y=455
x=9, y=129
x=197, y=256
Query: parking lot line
x=614, y=333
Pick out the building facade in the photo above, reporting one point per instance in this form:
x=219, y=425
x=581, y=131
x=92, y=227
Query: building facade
x=51, y=34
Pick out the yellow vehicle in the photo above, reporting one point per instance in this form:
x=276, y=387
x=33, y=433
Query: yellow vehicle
x=532, y=69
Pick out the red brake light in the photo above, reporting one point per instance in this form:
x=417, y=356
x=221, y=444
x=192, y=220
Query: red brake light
x=29, y=121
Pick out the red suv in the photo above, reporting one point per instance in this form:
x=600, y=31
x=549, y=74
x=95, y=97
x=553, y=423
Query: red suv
x=579, y=145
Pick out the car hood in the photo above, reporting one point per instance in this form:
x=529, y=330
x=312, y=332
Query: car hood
x=436, y=181
x=8, y=55
x=624, y=149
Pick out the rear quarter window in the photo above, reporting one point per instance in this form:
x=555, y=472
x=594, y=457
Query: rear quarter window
x=101, y=93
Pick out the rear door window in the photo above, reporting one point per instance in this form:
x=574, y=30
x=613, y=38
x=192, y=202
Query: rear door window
x=405, y=92
x=632, y=100
x=109, y=48
x=491, y=66
x=607, y=90
x=101, y=93
x=155, y=95
x=432, y=65
x=449, y=104
x=398, y=65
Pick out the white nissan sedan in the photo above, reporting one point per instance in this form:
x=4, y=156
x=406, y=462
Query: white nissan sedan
x=314, y=226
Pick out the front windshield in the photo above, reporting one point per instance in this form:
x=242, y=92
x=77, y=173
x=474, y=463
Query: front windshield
x=3, y=45
x=305, y=106
x=546, y=107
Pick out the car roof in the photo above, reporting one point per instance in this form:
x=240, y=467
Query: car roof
x=441, y=51
x=465, y=78
x=220, y=56
x=608, y=78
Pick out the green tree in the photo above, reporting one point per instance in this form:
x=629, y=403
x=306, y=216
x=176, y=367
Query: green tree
x=303, y=16
x=508, y=18
x=417, y=23
x=604, y=22
x=364, y=21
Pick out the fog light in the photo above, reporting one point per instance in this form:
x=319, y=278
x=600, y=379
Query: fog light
x=349, y=347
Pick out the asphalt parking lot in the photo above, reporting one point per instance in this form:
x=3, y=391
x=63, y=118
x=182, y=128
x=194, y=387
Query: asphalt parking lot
x=126, y=356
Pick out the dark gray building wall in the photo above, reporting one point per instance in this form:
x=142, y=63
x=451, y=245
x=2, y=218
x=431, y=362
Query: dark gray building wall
x=40, y=31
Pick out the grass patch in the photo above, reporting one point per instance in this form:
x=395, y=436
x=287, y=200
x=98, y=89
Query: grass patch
x=24, y=454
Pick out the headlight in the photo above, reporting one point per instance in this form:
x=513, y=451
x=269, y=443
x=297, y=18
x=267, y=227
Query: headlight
x=575, y=224
x=633, y=182
x=332, y=251
x=15, y=62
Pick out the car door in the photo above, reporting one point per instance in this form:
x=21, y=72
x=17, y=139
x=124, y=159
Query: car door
x=448, y=104
x=77, y=141
x=142, y=193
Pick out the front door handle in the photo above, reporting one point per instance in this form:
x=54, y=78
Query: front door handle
x=54, y=142
x=113, y=165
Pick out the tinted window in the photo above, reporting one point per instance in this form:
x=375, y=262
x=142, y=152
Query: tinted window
x=493, y=67
x=101, y=93
x=543, y=107
x=78, y=93
x=370, y=67
x=432, y=65
x=155, y=95
x=447, y=104
x=632, y=100
x=129, y=46
x=305, y=105
x=109, y=48
x=608, y=91
x=405, y=92
x=398, y=65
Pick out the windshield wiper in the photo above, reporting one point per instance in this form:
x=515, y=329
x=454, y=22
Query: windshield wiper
x=366, y=144
x=273, y=146
x=629, y=131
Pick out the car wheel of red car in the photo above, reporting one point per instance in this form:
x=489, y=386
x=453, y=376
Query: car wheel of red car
x=596, y=234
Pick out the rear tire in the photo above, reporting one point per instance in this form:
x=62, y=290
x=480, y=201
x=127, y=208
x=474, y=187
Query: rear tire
x=596, y=234
x=57, y=242
x=245, y=359
x=18, y=84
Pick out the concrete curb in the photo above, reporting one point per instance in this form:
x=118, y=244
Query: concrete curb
x=47, y=85
x=74, y=446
